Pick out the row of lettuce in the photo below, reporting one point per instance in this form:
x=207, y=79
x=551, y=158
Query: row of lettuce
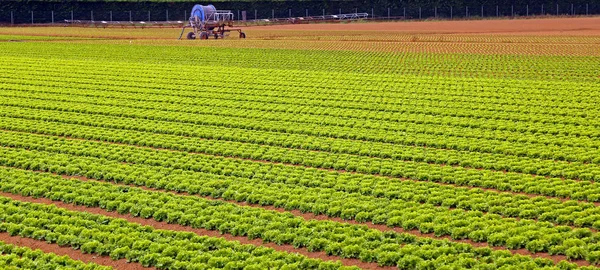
x=367, y=64
x=17, y=257
x=198, y=167
x=519, y=145
x=443, y=135
x=506, y=108
x=517, y=131
x=120, y=239
x=425, y=207
x=137, y=134
x=382, y=154
x=72, y=118
x=371, y=154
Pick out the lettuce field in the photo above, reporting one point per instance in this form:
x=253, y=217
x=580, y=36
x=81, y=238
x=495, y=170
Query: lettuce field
x=299, y=149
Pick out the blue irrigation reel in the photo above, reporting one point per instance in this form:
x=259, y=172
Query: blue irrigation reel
x=207, y=21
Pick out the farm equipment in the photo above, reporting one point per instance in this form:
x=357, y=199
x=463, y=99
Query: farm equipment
x=207, y=21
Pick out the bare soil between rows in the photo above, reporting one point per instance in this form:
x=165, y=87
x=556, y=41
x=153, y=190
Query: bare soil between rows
x=68, y=251
x=538, y=26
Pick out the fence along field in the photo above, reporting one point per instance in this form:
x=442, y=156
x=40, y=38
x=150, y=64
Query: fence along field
x=474, y=155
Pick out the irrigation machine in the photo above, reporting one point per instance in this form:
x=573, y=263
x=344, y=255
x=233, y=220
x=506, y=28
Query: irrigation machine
x=207, y=22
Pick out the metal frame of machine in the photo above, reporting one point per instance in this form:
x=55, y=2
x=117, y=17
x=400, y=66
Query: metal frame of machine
x=207, y=21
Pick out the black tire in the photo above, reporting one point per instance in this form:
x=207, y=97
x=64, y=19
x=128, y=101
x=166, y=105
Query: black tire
x=191, y=35
x=203, y=35
x=242, y=35
x=216, y=36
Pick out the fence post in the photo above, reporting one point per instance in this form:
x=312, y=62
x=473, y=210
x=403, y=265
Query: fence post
x=451, y=13
x=272, y=14
x=419, y=13
x=404, y=18
x=586, y=9
x=255, y=14
x=512, y=10
x=467, y=12
x=184, y=15
x=556, y=9
x=238, y=15
x=388, y=13
x=497, y=13
x=340, y=11
x=130, y=19
x=32, y=17
x=167, y=15
x=92, y=15
x=148, y=15
x=71, y=16
x=52, y=12
x=12, y=18
x=307, y=12
x=572, y=10
x=527, y=10
x=289, y=13
x=110, y=12
x=542, y=9
x=482, y=11
x=323, y=13
x=372, y=13
x=435, y=12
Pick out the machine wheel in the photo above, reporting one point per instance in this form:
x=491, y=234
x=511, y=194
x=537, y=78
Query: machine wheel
x=191, y=35
x=203, y=35
x=242, y=35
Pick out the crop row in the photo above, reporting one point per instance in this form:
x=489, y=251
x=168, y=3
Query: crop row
x=345, y=240
x=359, y=35
x=249, y=169
x=499, y=162
x=501, y=203
x=330, y=40
x=120, y=239
x=574, y=50
x=464, y=139
x=569, y=213
x=503, y=66
x=458, y=104
x=483, y=96
x=582, y=127
x=579, y=190
x=16, y=257
x=281, y=190
x=572, y=120
x=362, y=35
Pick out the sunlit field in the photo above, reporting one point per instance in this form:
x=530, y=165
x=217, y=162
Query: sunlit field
x=413, y=146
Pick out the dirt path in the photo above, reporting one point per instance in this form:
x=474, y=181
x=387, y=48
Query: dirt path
x=549, y=26
x=73, y=254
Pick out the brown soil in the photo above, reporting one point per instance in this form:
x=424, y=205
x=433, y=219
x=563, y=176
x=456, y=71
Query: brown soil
x=551, y=26
x=177, y=227
x=73, y=254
